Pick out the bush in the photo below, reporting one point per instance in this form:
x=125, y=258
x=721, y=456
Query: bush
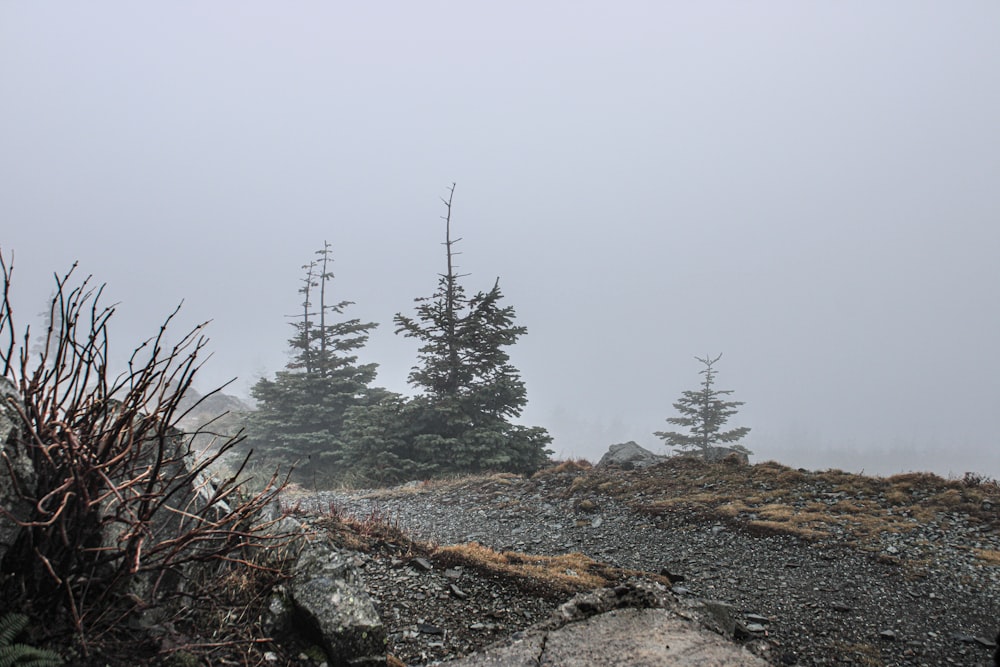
x=112, y=511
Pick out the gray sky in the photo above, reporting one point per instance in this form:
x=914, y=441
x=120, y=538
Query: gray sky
x=810, y=188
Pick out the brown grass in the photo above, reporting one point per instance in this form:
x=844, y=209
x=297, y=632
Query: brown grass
x=569, y=572
x=758, y=527
x=571, y=465
x=988, y=556
x=547, y=575
x=771, y=497
x=566, y=573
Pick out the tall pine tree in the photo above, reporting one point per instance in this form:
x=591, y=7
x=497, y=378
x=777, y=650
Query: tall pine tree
x=300, y=412
x=703, y=414
x=469, y=390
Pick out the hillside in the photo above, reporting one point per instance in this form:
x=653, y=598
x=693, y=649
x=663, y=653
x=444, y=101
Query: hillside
x=806, y=567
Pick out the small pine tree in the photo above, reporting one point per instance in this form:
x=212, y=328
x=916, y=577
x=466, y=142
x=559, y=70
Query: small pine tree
x=460, y=423
x=300, y=413
x=704, y=413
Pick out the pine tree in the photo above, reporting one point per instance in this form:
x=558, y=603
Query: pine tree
x=470, y=391
x=704, y=413
x=300, y=413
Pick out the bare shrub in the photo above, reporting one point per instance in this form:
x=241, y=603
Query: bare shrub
x=119, y=507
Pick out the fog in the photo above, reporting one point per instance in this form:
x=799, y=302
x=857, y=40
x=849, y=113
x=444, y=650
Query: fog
x=810, y=189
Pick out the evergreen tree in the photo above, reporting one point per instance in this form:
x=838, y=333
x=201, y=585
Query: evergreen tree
x=469, y=390
x=703, y=414
x=300, y=412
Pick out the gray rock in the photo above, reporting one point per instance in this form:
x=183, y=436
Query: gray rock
x=717, y=616
x=629, y=454
x=422, y=563
x=21, y=465
x=623, y=637
x=717, y=454
x=330, y=597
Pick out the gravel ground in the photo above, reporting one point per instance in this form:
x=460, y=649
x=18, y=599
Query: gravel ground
x=916, y=598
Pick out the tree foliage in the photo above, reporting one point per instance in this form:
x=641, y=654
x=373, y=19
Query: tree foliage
x=300, y=412
x=469, y=390
x=703, y=412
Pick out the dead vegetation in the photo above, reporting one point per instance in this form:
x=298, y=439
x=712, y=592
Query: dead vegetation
x=770, y=498
x=766, y=498
x=112, y=516
x=549, y=576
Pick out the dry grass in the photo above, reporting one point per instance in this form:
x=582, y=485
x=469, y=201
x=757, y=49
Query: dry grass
x=866, y=655
x=566, y=573
x=988, y=556
x=362, y=533
x=758, y=527
x=569, y=572
x=548, y=575
x=772, y=498
x=570, y=465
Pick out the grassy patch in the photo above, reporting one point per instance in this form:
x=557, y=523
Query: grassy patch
x=772, y=498
x=563, y=574
x=988, y=556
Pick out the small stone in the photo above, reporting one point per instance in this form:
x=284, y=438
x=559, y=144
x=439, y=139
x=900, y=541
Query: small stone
x=596, y=523
x=453, y=573
x=839, y=606
x=428, y=629
x=717, y=529
x=457, y=592
x=888, y=635
x=756, y=618
x=755, y=628
x=422, y=563
x=674, y=578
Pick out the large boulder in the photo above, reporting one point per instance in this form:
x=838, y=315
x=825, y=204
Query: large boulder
x=334, y=608
x=629, y=455
x=629, y=625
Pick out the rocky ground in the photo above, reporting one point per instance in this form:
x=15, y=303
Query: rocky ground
x=909, y=576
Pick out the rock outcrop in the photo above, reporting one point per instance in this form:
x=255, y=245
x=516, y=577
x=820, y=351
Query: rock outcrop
x=16, y=468
x=629, y=455
x=634, y=626
x=334, y=609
